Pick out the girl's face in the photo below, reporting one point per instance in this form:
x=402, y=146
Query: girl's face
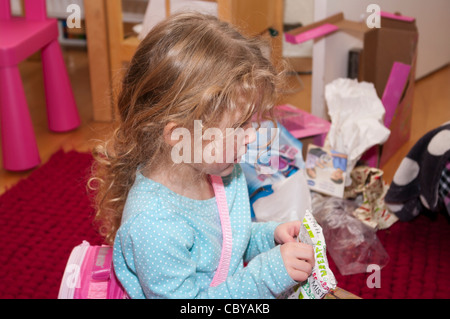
x=224, y=146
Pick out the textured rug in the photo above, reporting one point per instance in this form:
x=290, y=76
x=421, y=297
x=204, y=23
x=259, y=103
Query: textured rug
x=419, y=262
x=44, y=216
x=41, y=219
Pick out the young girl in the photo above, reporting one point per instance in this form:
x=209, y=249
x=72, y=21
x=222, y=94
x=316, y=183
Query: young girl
x=162, y=214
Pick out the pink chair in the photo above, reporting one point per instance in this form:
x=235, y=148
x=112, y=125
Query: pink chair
x=20, y=37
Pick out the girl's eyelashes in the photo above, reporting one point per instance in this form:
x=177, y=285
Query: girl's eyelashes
x=241, y=125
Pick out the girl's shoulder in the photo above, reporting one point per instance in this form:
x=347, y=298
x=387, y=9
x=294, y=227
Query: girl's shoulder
x=154, y=228
x=145, y=200
x=147, y=213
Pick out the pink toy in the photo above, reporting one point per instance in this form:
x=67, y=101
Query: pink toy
x=302, y=124
x=89, y=273
x=20, y=37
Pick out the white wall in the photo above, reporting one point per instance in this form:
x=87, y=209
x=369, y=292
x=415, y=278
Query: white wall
x=432, y=20
x=433, y=24
x=298, y=11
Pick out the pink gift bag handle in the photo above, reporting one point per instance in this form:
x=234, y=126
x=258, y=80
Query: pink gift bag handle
x=225, y=258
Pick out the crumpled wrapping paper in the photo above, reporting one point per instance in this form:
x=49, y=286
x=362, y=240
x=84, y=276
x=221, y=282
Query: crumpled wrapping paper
x=356, y=114
x=368, y=182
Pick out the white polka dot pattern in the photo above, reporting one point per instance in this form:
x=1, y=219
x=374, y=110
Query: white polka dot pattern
x=440, y=143
x=407, y=171
x=169, y=246
x=417, y=182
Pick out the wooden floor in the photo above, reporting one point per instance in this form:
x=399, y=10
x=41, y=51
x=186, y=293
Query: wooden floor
x=431, y=108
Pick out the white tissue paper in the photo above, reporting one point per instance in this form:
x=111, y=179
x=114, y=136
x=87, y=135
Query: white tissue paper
x=356, y=114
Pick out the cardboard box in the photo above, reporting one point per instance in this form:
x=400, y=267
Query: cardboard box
x=395, y=41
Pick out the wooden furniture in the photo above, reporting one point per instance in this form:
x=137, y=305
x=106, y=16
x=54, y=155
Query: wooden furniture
x=109, y=50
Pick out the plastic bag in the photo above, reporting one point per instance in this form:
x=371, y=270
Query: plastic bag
x=352, y=245
x=288, y=202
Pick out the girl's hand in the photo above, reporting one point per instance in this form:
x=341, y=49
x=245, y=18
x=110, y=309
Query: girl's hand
x=298, y=259
x=287, y=232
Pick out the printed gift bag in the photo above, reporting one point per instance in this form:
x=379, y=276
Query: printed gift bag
x=272, y=158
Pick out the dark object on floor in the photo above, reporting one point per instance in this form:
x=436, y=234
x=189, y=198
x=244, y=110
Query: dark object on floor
x=421, y=182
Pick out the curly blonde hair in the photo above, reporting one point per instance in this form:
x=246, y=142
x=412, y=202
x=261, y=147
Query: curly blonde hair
x=189, y=67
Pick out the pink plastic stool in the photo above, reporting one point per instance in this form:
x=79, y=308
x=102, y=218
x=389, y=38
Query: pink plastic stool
x=20, y=37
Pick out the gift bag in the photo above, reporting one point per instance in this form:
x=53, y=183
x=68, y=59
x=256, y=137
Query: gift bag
x=273, y=157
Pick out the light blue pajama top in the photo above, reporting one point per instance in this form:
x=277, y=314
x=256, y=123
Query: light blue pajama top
x=169, y=246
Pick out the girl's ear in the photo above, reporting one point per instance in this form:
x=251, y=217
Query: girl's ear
x=168, y=130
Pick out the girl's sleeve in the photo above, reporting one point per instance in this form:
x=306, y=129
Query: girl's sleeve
x=166, y=270
x=265, y=276
x=261, y=239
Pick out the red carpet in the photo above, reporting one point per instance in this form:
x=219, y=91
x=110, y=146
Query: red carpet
x=419, y=262
x=41, y=219
x=44, y=216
